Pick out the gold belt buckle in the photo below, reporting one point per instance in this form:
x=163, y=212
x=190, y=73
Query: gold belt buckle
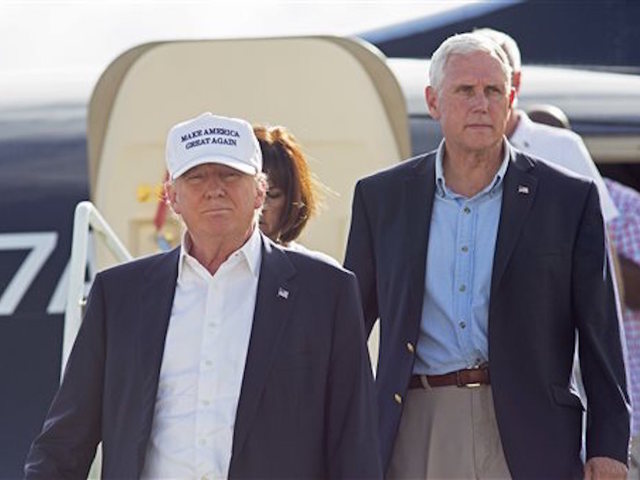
x=467, y=385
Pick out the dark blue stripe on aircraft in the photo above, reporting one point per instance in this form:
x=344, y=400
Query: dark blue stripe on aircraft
x=595, y=33
x=43, y=175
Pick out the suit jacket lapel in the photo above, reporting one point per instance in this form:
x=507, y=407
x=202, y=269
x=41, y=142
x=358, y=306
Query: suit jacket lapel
x=519, y=191
x=150, y=327
x=274, y=304
x=418, y=193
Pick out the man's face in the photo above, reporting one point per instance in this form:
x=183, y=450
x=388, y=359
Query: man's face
x=472, y=104
x=216, y=201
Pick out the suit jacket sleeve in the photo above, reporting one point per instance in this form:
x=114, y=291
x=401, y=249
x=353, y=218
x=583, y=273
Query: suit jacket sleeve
x=360, y=259
x=599, y=327
x=352, y=444
x=72, y=429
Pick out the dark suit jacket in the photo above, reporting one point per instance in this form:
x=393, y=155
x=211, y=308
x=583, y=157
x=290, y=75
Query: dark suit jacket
x=306, y=407
x=550, y=278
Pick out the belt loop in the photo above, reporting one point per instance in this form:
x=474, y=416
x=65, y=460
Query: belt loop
x=425, y=382
x=459, y=383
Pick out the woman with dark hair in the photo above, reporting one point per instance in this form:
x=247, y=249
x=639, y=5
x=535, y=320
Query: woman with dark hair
x=292, y=195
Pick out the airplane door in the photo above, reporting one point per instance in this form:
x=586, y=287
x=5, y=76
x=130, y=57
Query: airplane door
x=336, y=95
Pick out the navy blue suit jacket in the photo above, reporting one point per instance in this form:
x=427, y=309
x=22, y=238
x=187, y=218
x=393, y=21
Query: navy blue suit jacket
x=550, y=279
x=306, y=407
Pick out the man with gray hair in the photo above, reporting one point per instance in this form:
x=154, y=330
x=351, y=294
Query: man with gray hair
x=481, y=263
x=227, y=357
x=558, y=146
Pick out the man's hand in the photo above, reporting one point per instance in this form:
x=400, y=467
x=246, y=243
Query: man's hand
x=598, y=468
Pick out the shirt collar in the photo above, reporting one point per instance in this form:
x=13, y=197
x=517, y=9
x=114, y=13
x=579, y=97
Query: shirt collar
x=441, y=187
x=250, y=252
x=520, y=136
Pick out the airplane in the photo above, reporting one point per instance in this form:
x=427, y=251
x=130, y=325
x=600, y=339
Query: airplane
x=601, y=34
x=354, y=111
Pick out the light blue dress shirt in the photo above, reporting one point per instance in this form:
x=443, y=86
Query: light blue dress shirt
x=462, y=238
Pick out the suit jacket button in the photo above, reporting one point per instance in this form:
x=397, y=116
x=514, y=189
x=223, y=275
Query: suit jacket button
x=410, y=347
x=397, y=398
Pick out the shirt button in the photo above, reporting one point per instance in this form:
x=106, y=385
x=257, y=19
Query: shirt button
x=206, y=403
x=462, y=325
x=202, y=441
x=208, y=363
x=466, y=210
x=410, y=347
x=397, y=398
x=462, y=288
x=465, y=249
x=210, y=325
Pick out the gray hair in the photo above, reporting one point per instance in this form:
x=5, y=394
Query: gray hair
x=508, y=45
x=464, y=44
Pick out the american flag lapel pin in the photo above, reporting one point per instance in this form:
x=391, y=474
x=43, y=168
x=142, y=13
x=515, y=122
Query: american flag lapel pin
x=283, y=293
x=523, y=189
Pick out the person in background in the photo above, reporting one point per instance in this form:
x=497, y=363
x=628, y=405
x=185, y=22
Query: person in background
x=556, y=145
x=625, y=235
x=555, y=117
x=227, y=357
x=292, y=196
x=483, y=264
x=549, y=115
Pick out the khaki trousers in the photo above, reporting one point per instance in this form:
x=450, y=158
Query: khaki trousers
x=448, y=433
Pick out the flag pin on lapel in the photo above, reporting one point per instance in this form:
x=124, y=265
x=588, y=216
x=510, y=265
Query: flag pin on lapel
x=283, y=293
x=523, y=189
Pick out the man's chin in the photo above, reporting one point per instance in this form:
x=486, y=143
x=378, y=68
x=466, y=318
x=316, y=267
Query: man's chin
x=482, y=145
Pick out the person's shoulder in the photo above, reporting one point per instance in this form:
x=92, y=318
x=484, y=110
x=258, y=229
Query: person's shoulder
x=404, y=169
x=620, y=187
x=316, y=254
x=310, y=259
x=313, y=263
x=138, y=266
x=546, y=169
x=560, y=138
x=623, y=193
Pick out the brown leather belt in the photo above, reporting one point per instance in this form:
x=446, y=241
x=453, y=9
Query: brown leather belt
x=470, y=377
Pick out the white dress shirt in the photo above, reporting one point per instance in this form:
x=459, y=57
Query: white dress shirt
x=203, y=365
x=561, y=147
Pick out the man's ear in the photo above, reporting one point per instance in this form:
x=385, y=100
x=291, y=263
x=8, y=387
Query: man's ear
x=261, y=193
x=171, y=196
x=432, y=102
x=515, y=81
x=512, y=96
